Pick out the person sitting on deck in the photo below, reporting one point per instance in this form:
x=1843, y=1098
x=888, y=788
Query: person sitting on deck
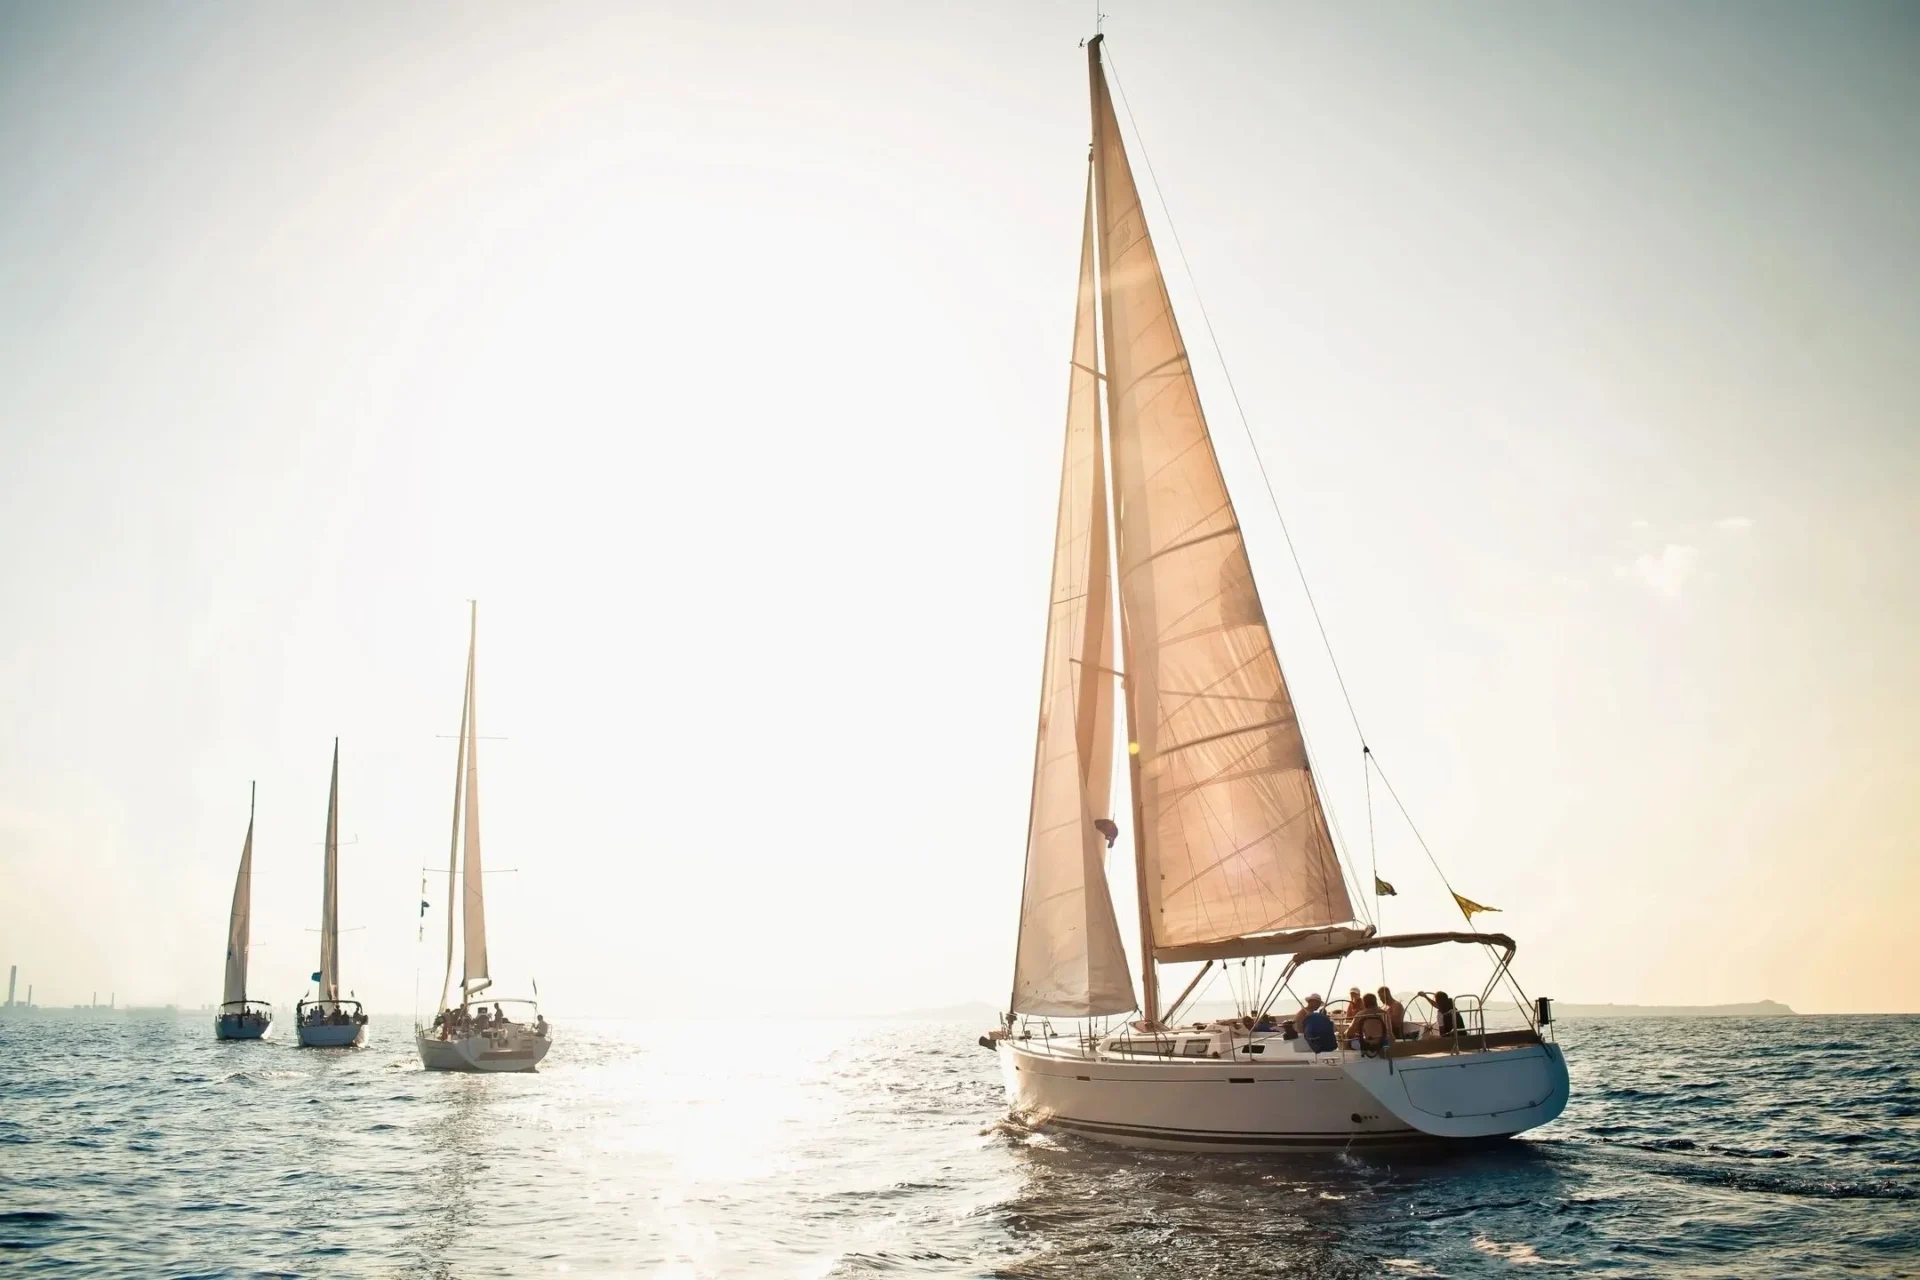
x=1396, y=1013
x=1317, y=1027
x=540, y=1025
x=1368, y=1029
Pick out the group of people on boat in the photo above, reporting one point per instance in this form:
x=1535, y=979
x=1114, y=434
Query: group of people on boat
x=479, y=1020
x=332, y=1015
x=1368, y=1022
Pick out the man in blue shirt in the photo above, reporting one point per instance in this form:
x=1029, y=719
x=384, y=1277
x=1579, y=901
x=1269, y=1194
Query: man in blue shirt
x=1316, y=1027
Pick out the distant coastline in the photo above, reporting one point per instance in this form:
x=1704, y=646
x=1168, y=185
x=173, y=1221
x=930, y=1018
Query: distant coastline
x=1757, y=1009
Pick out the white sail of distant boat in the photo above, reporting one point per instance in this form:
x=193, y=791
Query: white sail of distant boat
x=327, y=1021
x=1232, y=849
x=468, y=1034
x=240, y=1018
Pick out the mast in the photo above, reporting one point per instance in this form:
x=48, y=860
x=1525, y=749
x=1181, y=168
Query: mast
x=330, y=891
x=459, y=785
x=1149, y=974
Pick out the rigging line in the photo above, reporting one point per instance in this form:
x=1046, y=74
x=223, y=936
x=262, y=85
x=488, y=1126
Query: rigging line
x=1239, y=409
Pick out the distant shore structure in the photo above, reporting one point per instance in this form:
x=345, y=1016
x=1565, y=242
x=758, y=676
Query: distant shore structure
x=13, y=976
x=1756, y=1009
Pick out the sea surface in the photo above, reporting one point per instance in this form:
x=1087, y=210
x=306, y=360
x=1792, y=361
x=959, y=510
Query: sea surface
x=136, y=1145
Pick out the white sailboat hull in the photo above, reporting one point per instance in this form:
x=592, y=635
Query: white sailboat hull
x=1288, y=1102
x=230, y=1027
x=350, y=1036
x=518, y=1049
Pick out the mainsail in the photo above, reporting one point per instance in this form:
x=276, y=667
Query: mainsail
x=1070, y=961
x=1232, y=839
x=472, y=881
x=330, y=891
x=240, y=922
x=459, y=792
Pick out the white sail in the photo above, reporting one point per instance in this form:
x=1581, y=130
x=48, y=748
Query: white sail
x=330, y=891
x=240, y=922
x=459, y=792
x=1233, y=838
x=474, y=900
x=1070, y=961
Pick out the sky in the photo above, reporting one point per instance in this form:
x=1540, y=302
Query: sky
x=720, y=354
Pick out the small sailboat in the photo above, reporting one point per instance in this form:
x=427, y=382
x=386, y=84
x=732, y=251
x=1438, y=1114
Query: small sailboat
x=326, y=1021
x=240, y=1018
x=475, y=1034
x=1233, y=856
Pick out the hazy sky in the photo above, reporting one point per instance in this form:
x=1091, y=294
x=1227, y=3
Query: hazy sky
x=720, y=352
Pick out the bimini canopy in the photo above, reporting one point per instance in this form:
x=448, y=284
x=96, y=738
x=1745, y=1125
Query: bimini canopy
x=1308, y=954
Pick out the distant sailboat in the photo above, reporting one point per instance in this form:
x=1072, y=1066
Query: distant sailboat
x=1233, y=855
x=327, y=1021
x=240, y=1018
x=473, y=1034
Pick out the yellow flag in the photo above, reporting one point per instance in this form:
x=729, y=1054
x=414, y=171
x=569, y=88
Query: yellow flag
x=1468, y=906
x=1383, y=889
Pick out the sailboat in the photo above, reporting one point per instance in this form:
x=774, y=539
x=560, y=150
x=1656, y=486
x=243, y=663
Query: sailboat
x=1233, y=856
x=475, y=1034
x=327, y=1021
x=240, y=1018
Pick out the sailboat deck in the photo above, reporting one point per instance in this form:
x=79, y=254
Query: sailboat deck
x=1214, y=1046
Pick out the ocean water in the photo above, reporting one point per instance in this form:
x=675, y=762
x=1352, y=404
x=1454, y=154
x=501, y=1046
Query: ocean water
x=136, y=1145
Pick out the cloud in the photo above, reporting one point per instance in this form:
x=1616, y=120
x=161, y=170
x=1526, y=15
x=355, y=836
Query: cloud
x=1733, y=524
x=1666, y=571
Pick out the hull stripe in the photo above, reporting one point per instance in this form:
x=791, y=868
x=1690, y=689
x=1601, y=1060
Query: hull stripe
x=1394, y=1137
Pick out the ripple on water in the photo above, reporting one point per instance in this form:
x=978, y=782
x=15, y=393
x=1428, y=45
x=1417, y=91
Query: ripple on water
x=878, y=1149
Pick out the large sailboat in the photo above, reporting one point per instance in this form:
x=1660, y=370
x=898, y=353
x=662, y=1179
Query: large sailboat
x=475, y=1034
x=1233, y=854
x=238, y=1017
x=326, y=1021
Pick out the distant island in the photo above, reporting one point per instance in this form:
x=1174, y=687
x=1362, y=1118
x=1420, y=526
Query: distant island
x=1758, y=1009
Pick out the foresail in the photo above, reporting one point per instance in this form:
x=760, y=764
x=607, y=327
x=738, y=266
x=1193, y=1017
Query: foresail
x=330, y=891
x=459, y=793
x=1235, y=840
x=473, y=883
x=240, y=923
x=1070, y=961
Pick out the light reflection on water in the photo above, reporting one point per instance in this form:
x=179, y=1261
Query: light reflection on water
x=133, y=1146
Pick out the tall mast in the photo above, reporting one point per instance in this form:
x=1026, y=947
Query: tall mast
x=1149, y=975
x=459, y=790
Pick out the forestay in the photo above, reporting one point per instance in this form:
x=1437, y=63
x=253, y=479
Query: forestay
x=1070, y=961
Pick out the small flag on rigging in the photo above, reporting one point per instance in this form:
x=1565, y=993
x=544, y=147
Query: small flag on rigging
x=1468, y=907
x=1107, y=828
x=1381, y=889
x=314, y=978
